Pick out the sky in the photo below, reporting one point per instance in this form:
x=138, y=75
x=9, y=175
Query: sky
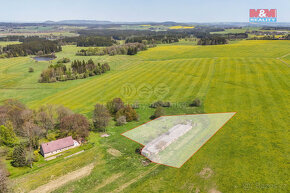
x=138, y=10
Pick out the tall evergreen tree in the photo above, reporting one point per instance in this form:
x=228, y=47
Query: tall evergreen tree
x=19, y=156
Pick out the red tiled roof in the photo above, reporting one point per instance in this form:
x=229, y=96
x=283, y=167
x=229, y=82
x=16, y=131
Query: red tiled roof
x=57, y=144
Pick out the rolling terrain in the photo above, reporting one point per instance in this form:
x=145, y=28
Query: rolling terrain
x=250, y=153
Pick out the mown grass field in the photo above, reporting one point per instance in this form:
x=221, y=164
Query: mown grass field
x=249, y=154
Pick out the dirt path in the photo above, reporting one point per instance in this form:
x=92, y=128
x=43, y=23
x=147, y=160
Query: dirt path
x=281, y=59
x=54, y=184
x=135, y=179
x=108, y=181
x=285, y=55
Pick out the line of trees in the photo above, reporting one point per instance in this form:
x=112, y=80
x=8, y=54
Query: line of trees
x=85, y=41
x=12, y=38
x=77, y=70
x=126, y=49
x=34, y=46
x=212, y=40
x=271, y=37
x=158, y=39
x=236, y=35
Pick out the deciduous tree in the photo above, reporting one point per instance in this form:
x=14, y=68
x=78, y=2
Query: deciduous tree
x=115, y=105
x=7, y=135
x=75, y=125
x=128, y=112
x=101, y=117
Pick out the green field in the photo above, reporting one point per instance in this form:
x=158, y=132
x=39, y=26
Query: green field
x=242, y=30
x=41, y=31
x=248, y=154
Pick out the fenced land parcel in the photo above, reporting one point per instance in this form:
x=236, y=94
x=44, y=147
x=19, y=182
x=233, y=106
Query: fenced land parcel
x=172, y=140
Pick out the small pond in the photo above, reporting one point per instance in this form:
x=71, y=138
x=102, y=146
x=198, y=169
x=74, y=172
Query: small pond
x=41, y=58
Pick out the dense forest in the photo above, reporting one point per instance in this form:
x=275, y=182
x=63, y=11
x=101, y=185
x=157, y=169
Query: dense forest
x=160, y=39
x=31, y=46
x=78, y=70
x=198, y=31
x=126, y=49
x=85, y=41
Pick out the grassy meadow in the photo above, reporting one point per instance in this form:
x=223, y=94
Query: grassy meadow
x=250, y=153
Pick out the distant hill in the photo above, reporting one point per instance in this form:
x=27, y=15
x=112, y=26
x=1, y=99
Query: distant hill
x=78, y=22
x=95, y=22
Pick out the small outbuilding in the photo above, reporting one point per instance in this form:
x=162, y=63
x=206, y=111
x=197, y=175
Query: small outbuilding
x=57, y=146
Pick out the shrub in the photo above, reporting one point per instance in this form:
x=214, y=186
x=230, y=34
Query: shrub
x=135, y=105
x=158, y=112
x=63, y=78
x=81, y=76
x=128, y=112
x=121, y=121
x=166, y=104
x=35, y=156
x=196, y=103
x=138, y=150
x=63, y=60
x=161, y=104
x=30, y=69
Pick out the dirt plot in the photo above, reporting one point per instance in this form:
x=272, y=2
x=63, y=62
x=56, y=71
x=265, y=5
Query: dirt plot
x=114, y=152
x=213, y=190
x=206, y=173
x=54, y=184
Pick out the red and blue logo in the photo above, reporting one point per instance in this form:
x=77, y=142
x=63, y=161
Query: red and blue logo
x=263, y=15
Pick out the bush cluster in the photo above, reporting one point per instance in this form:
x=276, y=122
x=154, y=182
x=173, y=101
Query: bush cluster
x=160, y=104
x=78, y=70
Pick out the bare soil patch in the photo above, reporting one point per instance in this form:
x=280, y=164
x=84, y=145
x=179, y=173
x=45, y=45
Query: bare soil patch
x=54, y=184
x=213, y=190
x=114, y=152
x=206, y=173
